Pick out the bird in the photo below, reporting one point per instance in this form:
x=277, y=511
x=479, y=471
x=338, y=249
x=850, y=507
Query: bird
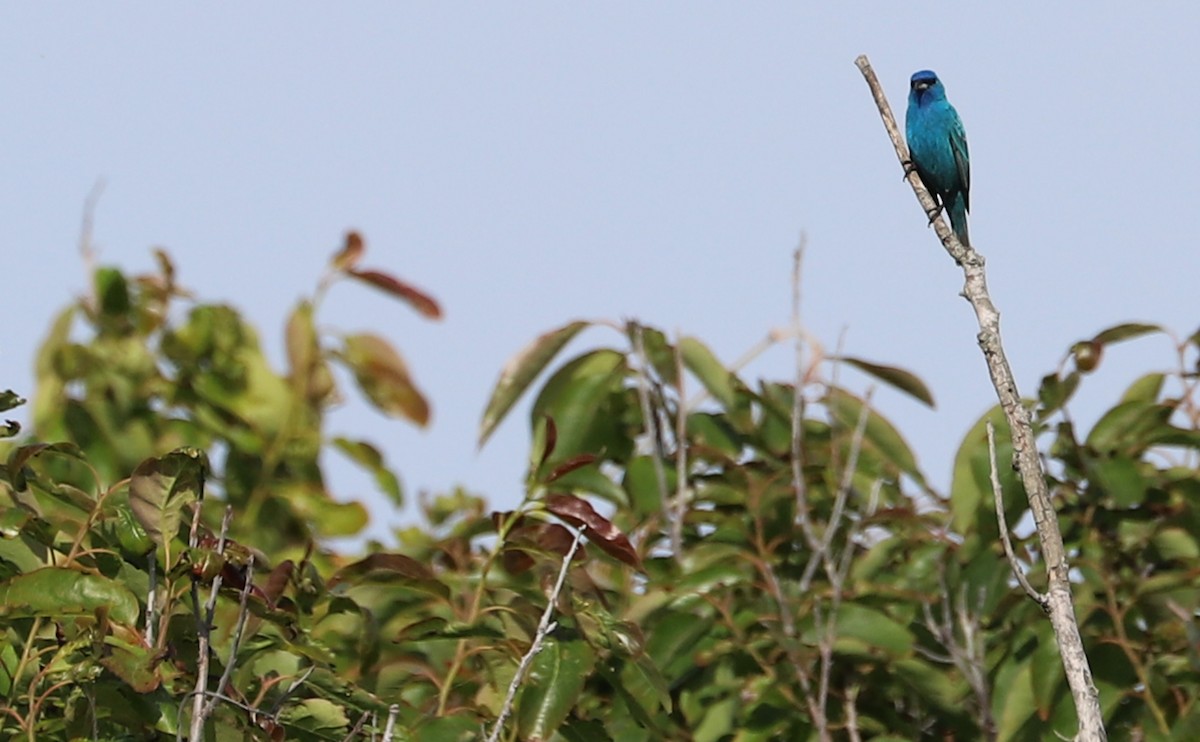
x=937, y=144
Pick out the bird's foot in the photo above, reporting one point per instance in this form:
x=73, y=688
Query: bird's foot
x=933, y=215
x=909, y=167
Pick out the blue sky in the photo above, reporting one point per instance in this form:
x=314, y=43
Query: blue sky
x=533, y=163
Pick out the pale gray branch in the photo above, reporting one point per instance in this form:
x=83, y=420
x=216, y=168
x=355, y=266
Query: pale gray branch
x=1026, y=458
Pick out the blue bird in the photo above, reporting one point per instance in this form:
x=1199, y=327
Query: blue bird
x=938, y=146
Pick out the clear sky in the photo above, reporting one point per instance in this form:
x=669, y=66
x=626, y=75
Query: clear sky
x=532, y=163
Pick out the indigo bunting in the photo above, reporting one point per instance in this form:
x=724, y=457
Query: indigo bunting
x=938, y=146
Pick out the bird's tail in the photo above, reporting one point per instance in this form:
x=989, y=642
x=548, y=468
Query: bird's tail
x=958, y=218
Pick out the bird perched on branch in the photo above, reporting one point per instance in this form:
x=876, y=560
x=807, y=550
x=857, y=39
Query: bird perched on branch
x=938, y=146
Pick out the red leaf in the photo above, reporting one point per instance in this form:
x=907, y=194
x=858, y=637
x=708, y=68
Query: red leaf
x=350, y=253
x=278, y=580
x=596, y=527
x=551, y=440
x=419, y=300
x=530, y=538
x=384, y=562
x=570, y=465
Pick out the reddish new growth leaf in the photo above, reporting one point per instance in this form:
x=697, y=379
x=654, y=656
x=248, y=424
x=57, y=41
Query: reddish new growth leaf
x=422, y=302
x=596, y=527
x=350, y=253
x=551, y=440
x=277, y=581
x=570, y=465
x=397, y=563
x=528, y=537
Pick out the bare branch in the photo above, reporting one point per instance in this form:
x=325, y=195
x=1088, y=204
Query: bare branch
x=681, y=472
x=651, y=422
x=390, y=729
x=545, y=626
x=1028, y=462
x=998, y=496
x=236, y=641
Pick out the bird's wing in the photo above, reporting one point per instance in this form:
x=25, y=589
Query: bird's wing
x=962, y=159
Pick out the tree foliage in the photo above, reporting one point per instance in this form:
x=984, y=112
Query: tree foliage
x=748, y=560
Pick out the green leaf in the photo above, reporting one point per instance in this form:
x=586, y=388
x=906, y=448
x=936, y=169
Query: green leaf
x=1015, y=705
x=555, y=680
x=1145, y=389
x=718, y=380
x=1054, y=392
x=1046, y=671
x=874, y=628
x=582, y=399
x=1175, y=544
x=659, y=352
x=53, y=592
x=383, y=376
x=520, y=371
x=112, y=292
x=1129, y=428
x=905, y=381
x=1120, y=478
x=315, y=714
x=1126, y=331
x=933, y=684
x=10, y=399
x=880, y=435
x=370, y=458
x=161, y=487
x=971, y=498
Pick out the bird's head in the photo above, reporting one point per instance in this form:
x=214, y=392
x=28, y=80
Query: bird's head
x=925, y=86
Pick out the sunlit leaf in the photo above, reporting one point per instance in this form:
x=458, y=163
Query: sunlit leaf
x=586, y=399
x=1126, y=331
x=659, y=352
x=10, y=399
x=718, y=380
x=1129, y=428
x=555, y=680
x=905, y=381
x=383, y=376
x=520, y=371
x=1145, y=389
x=54, y=592
x=161, y=487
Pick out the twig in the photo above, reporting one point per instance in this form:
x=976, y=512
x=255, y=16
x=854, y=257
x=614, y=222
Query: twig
x=545, y=626
x=852, y=713
x=243, y=612
x=151, y=595
x=1025, y=453
x=798, y=482
x=203, y=633
x=358, y=725
x=390, y=728
x=820, y=548
x=681, y=472
x=650, y=419
x=998, y=496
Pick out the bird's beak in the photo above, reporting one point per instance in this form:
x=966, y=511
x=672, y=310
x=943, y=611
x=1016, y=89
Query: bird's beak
x=921, y=87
